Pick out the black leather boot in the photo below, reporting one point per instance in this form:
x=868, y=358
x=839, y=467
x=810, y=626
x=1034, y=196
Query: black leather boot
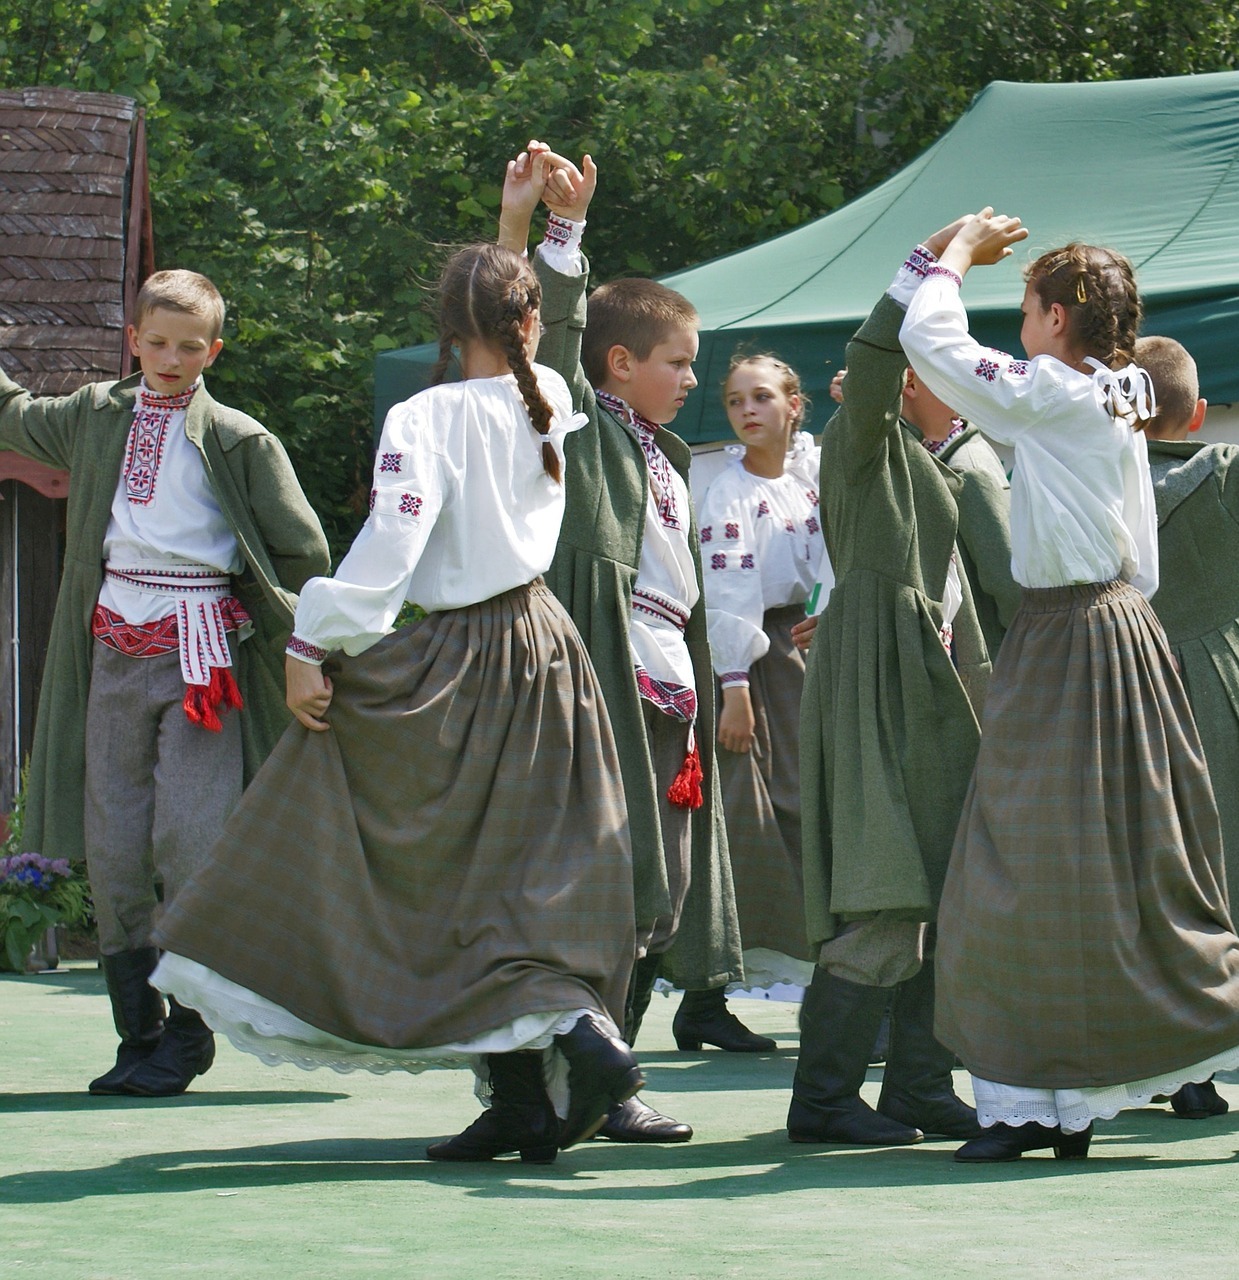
x=917, y=1086
x=186, y=1050
x=601, y=1072
x=704, y=1018
x=640, y=989
x=1199, y=1101
x=137, y=1010
x=1002, y=1142
x=520, y=1117
x=839, y=1021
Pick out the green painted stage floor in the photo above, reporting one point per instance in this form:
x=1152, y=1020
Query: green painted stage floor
x=272, y=1172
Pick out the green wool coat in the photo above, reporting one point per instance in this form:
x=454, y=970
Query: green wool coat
x=593, y=574
x=984, y=537
x=1196, y=487
x=889, y=734
x=280, y=537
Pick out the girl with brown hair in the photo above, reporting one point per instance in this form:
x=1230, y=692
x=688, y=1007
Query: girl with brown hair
x=434, y=866
x=1086, y=956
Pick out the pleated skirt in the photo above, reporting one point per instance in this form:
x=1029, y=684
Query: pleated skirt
x=1084, y=936
x=761, y=803
x=450, y=859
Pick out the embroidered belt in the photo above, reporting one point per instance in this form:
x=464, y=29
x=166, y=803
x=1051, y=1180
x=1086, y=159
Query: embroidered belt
x=675, y=700
x=197, y=623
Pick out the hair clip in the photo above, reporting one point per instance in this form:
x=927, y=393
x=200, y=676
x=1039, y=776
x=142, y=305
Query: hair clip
x=1081, y=295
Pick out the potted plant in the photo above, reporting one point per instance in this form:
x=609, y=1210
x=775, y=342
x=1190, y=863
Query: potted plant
x=37, y=895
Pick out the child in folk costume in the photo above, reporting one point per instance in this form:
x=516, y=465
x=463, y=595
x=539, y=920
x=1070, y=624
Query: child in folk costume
x=762, y=553
x=984, y=501
x=187, y=532
x=438, y=854
x=1196, y=489
x=896, y=678
x=983, y=496
x=628, y=569
x=1086, y=958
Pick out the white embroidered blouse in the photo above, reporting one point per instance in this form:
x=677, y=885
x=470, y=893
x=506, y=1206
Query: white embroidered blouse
x=173, y=522
x=1082, y=506
x=762, y=546
x=461, y=510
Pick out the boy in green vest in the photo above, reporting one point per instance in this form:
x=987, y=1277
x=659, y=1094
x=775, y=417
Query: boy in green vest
x=187, y=532
x=1196, y=488
x=628, y=570
x=895, y=680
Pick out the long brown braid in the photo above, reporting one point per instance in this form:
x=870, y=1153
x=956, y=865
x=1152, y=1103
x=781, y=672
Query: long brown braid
x=1097, y=288
x=486, y=292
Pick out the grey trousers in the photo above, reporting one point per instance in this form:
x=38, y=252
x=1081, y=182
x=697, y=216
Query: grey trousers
x=668, y=739
x=158, y=791
x=882, y=951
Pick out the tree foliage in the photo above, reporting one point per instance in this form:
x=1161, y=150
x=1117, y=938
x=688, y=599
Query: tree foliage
x=315, y=159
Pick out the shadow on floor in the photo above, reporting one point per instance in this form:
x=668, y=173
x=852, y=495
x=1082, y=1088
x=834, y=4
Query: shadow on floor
x=80, y=1100
x=759, y=1164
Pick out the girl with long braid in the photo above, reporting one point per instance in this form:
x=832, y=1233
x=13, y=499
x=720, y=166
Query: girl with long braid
x=434, y=866
x=1086, y=956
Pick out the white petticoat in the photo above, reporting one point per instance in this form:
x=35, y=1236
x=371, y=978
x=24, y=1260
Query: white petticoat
x=1075, y=1109
x=269, y=1032
x=765, y=969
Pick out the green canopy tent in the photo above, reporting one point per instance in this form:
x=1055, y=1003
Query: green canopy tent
x=1149, y=167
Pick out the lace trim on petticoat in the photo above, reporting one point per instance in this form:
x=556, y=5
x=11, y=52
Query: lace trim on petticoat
x=765, y=968
x=272, y=1034
x=1076, y=1109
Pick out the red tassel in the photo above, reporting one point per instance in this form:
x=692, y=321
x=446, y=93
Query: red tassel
x=201, y=701
x=685, y=791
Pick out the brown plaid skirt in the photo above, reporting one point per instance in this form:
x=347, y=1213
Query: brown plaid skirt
x=761, y=798
x=1084, y=937
x=452, y=854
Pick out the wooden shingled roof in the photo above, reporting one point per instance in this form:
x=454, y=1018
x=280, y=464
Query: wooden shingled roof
x=75, y=234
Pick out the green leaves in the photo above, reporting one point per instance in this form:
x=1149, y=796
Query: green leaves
x=315, y=159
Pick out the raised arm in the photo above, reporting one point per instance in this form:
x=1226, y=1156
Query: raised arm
x=41, y=427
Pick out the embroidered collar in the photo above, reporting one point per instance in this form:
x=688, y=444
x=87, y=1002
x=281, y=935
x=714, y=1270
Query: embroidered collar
x=148, y=434
x=659, y=466
x=936, y=446
x=638, y=425
x=151, y=399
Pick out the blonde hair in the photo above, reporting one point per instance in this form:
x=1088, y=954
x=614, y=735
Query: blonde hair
x=184, y=291
x=634, y=313
x=1176, y=383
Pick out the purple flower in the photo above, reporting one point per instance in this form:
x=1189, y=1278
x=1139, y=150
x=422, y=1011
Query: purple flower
x=32, y=870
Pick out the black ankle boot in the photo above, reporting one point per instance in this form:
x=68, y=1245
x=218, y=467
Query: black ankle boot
x=186, y=1050
x=633, y=1121
x=839, y=1021
x=137, y=1010
x=520, y=1117
x=917, y=1086
x=704, y=1018
x=601, y=1072
x=1004, y=1142
x=640, y=990
x=1199, y=1101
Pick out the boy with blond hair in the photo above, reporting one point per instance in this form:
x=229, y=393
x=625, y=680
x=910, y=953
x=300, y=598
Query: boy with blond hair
x=1196, y=488
x=628, y=570
x=187, y=532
